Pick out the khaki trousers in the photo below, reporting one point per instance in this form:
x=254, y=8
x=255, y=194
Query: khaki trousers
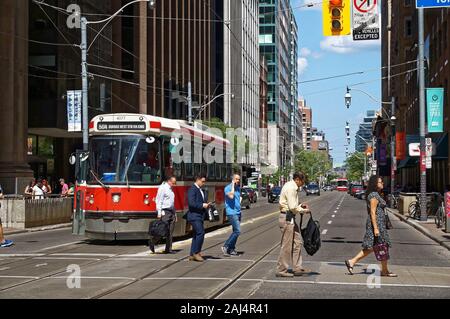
x=291, y=244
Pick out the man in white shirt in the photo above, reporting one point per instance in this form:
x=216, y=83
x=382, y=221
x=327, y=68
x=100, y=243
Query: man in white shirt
x=38, y=192
x=165, y=206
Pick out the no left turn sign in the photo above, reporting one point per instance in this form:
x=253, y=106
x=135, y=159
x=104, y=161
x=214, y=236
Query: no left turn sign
x=364, y=5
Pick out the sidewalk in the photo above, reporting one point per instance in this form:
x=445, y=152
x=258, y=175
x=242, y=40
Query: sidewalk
x=427, y=228
x=13, y=231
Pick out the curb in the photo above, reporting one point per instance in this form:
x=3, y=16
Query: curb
x=420, y=228
x=37, y=229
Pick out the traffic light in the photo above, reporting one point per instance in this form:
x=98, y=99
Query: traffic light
x=336, y=17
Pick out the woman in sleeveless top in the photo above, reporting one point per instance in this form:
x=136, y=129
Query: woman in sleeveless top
x=375, y=226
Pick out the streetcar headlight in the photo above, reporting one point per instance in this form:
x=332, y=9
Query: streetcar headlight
x=116, y=198
x=147, y=200
x=91, y=200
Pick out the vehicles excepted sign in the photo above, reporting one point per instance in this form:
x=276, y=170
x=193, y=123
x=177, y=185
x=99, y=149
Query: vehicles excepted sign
x=365, y=20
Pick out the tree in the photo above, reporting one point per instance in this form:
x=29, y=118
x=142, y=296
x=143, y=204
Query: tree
x=355, y=166
x=313, y=163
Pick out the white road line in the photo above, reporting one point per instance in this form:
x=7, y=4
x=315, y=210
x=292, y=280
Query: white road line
x=18, y=277
x=41, y=265
x=4, y=268
x=330, y=222
x=345, y=283
x=63, y=245
x=333, y=216
x=325, y=232
x=22, y=255
x=84, y=254
x=144, y=258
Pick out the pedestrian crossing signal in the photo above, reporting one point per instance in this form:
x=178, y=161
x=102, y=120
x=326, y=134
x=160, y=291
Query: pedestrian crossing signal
x=336, y=17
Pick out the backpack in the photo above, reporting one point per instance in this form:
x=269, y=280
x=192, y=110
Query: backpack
x=159, y=228
x=311, y=236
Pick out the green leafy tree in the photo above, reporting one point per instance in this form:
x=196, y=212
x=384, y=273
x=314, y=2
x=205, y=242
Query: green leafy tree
x=313, y=163
x=355, y=166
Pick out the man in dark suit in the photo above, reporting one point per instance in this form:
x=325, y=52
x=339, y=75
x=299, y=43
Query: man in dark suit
x=198, y=205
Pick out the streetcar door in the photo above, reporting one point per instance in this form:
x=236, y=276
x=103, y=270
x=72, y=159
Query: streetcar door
x=81, y=173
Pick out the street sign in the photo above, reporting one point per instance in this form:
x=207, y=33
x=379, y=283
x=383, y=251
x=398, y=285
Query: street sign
x=432, y=3
x=365, y=20
x=429, y=152
x=414, y=149
x=435, y=109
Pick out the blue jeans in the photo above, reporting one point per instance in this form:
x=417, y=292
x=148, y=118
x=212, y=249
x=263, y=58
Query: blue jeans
x=198, y=236
x=236, y=224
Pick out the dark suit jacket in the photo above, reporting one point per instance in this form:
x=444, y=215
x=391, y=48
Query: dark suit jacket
x=195, y=202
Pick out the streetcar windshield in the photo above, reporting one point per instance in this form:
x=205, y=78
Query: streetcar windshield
x=131, y=159
x=342, y=183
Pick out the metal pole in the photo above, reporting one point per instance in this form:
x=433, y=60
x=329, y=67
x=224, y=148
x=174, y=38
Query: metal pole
x=190, y=118
x=423, y=169
x=84, y=77
x=393, y=158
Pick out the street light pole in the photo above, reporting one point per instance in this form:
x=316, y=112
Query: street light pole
x=84, y=80
x=423, y=169
x=393, y=158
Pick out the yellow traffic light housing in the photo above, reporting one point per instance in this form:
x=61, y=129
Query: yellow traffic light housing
x=336, y=17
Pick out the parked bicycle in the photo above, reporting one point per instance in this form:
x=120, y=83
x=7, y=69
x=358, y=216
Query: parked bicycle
x=393, y=200
x=441, y=219
x=433, y=206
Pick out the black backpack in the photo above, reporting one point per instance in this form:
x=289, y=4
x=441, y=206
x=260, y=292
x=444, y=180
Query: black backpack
x=159, y=228
x=311, y=236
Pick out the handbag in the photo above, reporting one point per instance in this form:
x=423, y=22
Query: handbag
x=212, y=214
x=381, y=250
x=311, y=236
x=159, y=228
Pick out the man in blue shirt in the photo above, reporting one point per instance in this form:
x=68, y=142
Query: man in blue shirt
x=233, y=211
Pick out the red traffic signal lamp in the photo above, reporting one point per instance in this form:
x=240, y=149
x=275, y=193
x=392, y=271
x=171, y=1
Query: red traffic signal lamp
x=336, y=17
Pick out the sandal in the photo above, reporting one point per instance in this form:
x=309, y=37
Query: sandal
x=350, y=268
x=389, y=274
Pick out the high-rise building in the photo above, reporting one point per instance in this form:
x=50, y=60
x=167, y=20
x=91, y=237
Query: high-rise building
x=365, y=132
x=139, y=63
x=278, y=43
x=306, y=113
x=242, y=69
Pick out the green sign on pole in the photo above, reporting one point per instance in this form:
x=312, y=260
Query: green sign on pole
x=435, y=110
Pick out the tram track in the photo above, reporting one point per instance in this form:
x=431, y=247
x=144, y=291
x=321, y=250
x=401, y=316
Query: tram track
x=153, y=272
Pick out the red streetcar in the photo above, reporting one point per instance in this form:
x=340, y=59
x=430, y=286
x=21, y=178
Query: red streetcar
x=129, y=156
x=341, y=184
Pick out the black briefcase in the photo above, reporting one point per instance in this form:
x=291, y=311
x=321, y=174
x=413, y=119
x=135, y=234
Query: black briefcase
x=159, y=228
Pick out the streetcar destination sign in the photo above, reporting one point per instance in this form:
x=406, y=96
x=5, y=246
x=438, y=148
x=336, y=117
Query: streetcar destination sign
x=121, y=126
x=432, y=3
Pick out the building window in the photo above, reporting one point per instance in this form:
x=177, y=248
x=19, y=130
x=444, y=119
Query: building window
x=408, y=26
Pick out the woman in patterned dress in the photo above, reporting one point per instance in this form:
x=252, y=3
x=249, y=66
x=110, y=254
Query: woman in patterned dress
x=375, y=226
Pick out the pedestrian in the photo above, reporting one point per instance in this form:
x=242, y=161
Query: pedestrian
x=64, y=187
x=29, y=188
x=376, y=230
x=165, y=206
x=198, y=205
x=4, y=243
x=38, y=192
x=291, y=241
x=71, y=190
x=233, y=212
x=46, y=188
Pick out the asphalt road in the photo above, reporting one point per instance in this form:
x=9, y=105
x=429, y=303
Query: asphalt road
x=55, y=264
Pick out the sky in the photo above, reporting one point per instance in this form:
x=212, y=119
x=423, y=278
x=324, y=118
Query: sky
x=321, y=57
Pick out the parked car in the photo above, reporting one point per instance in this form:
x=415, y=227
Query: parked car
x=252, y=194
x=245, y=199
x=313, y=189
x=274, y=195
x=328, y=188
x=361, y=194
x=356, y=188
